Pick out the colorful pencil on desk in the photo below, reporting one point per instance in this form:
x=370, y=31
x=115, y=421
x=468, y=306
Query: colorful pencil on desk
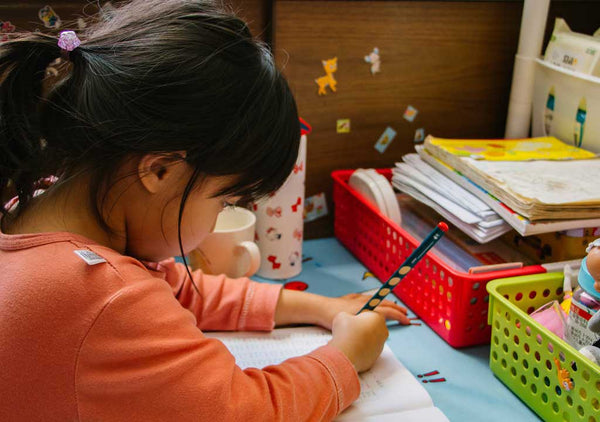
x=431, y=239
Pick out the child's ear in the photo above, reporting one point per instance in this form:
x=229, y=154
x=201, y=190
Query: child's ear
x=155, y=171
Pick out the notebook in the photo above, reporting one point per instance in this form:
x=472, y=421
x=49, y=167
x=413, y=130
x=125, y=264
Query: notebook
x=537, y=189
x=389, y=392
x=543, y=148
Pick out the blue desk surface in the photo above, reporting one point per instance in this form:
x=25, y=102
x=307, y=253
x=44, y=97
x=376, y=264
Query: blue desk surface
x=470, y=391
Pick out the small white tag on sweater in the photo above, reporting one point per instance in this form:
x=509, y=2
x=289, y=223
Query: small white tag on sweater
x=90, y=258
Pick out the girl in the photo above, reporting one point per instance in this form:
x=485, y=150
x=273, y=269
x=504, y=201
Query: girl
x=166, y=113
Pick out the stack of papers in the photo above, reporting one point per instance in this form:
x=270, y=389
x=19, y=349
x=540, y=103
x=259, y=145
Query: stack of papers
x=463, y=209
x=539, y=178
x=536, y=196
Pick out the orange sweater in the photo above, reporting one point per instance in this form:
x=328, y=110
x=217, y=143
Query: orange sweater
x=121, y=341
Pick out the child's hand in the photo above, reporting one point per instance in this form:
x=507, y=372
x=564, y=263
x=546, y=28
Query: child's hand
x=296, y=307
x=353, y=302
x=359, y=337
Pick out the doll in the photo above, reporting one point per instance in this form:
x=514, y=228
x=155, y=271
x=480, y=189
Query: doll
x=589, y=281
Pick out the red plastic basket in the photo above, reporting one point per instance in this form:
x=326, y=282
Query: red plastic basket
x=453, y=304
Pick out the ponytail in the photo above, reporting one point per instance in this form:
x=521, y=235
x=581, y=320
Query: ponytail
x=23, y=64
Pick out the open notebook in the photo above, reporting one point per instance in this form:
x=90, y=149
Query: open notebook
x=389, y=392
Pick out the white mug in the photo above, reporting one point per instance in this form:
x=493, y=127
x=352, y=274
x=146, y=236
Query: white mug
x=230, y=248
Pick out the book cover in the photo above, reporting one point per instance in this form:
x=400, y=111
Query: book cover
x=543, y=148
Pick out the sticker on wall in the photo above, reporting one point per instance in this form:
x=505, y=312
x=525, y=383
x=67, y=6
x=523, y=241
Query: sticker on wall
x=315, y=207
x=385, y=139
x=375, y=61
x=6, y=28
x=419, y=135
x=328, y=80
x=49, y=17
x=410, y=113
x=342, y=126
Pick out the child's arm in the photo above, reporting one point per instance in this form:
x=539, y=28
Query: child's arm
x=223, y=303
x=241, y=304
x=143, y=358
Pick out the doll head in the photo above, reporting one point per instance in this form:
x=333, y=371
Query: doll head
x=593, y=267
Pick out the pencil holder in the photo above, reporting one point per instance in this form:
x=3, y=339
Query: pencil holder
x=280, y=224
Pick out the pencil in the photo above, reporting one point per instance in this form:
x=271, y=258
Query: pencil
x=431, y=239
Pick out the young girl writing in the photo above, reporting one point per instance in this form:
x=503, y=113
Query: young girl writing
x=165, y=114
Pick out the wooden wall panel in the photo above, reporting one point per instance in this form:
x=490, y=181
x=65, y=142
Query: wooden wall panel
x=24, y=14
x=451, y=60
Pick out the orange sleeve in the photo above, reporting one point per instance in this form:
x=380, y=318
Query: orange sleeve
x=145, y=359
x=223, y=303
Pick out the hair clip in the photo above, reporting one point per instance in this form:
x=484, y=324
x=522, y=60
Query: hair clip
x=68, y=41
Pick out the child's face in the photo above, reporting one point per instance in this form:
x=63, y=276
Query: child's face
x=151, y=218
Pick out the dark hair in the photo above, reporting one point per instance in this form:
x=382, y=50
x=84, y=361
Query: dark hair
x=159, y=76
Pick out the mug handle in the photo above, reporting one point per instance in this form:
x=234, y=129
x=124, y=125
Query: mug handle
x=254, y=253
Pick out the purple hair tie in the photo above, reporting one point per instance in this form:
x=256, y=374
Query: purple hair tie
x=68, y=41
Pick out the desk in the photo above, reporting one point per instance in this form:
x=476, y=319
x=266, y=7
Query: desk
x=470, y=392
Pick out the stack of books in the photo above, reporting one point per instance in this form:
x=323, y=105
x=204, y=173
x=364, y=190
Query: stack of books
x=536, y=185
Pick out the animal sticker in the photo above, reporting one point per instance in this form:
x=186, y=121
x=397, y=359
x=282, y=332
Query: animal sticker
x=330, y=67
x=342, y=126
x=410, y=113
x=385, y=139
x=419, y=135
x=49, y=17
x=375, y=61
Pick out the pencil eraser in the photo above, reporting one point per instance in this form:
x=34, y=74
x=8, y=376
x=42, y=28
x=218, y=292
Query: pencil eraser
x=443, y=226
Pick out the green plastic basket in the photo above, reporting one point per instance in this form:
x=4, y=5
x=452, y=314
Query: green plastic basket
x=526, y=357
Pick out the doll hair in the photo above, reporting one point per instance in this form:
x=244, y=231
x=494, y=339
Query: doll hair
x=159, y=76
